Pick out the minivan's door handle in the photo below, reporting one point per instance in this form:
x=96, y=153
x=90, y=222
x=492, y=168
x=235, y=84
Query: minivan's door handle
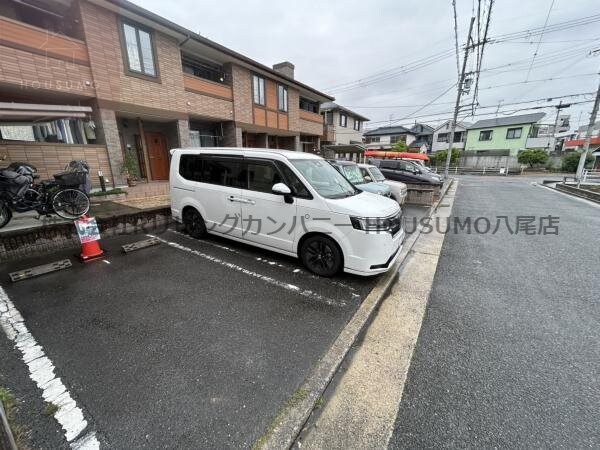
x=232, y=198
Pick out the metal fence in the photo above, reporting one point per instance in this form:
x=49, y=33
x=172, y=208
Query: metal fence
x=590, y=175
x=463, y=170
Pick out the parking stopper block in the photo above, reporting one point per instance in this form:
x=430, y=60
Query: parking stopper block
x=127, y=248
x=39, y=270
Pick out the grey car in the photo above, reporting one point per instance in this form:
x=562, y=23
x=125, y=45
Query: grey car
x=352, y=172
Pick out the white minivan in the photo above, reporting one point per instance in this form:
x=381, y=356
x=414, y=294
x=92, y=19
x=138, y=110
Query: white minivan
x=289, y=202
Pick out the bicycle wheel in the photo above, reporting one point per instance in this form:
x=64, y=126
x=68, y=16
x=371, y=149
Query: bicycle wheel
x=70, y=203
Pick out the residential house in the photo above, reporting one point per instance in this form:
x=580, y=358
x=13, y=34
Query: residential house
x=342, y=126
x=424, y=137
x=503, y=136
x=384, y=138
x=441, y=134
x=577, y=141
x=94, y=79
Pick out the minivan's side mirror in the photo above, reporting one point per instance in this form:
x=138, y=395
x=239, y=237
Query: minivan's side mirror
x=281, y=189
x=368, y=178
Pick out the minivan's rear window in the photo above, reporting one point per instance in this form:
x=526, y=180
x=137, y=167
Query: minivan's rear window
x=220, y=171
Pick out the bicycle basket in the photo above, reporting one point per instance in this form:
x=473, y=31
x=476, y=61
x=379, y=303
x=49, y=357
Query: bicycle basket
x=70, y=178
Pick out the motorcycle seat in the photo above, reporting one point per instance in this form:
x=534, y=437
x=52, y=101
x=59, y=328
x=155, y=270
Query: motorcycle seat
x=8, y=174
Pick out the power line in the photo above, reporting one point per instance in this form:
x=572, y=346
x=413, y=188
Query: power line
x=540, y=40
x=545, y=99
x=440, y=56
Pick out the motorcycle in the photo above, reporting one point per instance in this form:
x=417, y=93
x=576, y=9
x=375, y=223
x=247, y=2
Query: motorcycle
x=65, y=196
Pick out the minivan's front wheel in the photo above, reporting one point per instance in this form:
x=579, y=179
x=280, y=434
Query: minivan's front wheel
x=321, y=255
x=194, y=223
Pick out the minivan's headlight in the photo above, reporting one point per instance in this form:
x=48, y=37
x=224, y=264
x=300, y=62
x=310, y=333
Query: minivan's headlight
x=370, y=223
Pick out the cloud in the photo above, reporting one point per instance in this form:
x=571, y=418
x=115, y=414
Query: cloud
x=338, y=41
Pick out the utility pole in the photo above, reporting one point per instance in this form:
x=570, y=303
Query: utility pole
x=458, y=96
x=555, y=131
x=588, y=138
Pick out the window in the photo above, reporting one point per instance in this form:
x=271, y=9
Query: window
x=352, y=173
x=139, y=50
x=262, y=177
x=221, y=171
x=485, y=135
x=442, y=137
x=326, y=180
x=190, y=167
x=371, y=139
x=389, y=164
x=397, y=138
x=309, y=105
x=514, y=133
x=329, y=117
x=202, y=69
x=282, y=94
x=293, y=182
x=258, y=86
x=357, y=124
x=343, y=120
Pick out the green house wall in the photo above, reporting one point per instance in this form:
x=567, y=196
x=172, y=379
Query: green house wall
x=498, y=141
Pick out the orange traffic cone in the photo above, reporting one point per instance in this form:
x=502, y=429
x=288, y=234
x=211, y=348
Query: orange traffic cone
x=90, y=250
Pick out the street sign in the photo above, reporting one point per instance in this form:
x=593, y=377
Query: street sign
x=87, y=229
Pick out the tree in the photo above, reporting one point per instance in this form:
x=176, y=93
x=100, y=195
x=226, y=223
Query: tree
x=400, y=146
x=570, y=161
x=533, y=157
x=440, y=157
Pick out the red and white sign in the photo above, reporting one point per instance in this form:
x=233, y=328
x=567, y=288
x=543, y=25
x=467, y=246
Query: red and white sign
x=87, y=229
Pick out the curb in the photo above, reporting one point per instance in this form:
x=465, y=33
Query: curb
x=285, y=427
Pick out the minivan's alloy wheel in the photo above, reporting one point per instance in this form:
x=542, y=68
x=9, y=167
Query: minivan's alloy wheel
x=321, y=255
x=194, y=224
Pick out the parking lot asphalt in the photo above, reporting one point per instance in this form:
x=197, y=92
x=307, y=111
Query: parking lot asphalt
x=185, y=344
x=508, y=353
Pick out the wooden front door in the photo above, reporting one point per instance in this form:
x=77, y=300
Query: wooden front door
x=158, y=155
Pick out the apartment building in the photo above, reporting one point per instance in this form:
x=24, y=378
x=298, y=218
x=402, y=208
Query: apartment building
x=108, y=81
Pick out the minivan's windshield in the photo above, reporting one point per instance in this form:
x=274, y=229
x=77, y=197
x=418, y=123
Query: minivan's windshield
x=327, y=181
x=353, y=174
x=378, y=176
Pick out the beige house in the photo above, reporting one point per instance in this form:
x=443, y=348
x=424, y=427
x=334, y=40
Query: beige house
x=342, y=126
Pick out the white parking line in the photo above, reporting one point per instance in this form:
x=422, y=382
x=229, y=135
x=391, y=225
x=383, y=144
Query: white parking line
x=41, y=371
x=290, y=268
x=287, y=286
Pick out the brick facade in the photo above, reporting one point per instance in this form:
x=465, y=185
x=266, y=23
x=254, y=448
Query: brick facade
x=242, y=94
x=50, y=158
x=102, y=80
x=32, y=74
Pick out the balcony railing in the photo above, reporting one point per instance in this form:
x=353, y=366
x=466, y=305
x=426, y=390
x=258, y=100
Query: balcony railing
x=206, y=87
x=311, y=116
x=27, y=37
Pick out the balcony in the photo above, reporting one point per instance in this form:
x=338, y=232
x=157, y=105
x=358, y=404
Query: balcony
x=311, y=123
x=43, y=42
x=540, y=142
x=198, y=85
x=329, y=133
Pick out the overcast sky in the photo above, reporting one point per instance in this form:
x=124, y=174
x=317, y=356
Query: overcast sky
x=334, y=42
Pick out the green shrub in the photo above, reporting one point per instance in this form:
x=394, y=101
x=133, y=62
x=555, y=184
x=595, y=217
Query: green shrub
x=533, y=157
x=439, y=158
x=570, y=161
